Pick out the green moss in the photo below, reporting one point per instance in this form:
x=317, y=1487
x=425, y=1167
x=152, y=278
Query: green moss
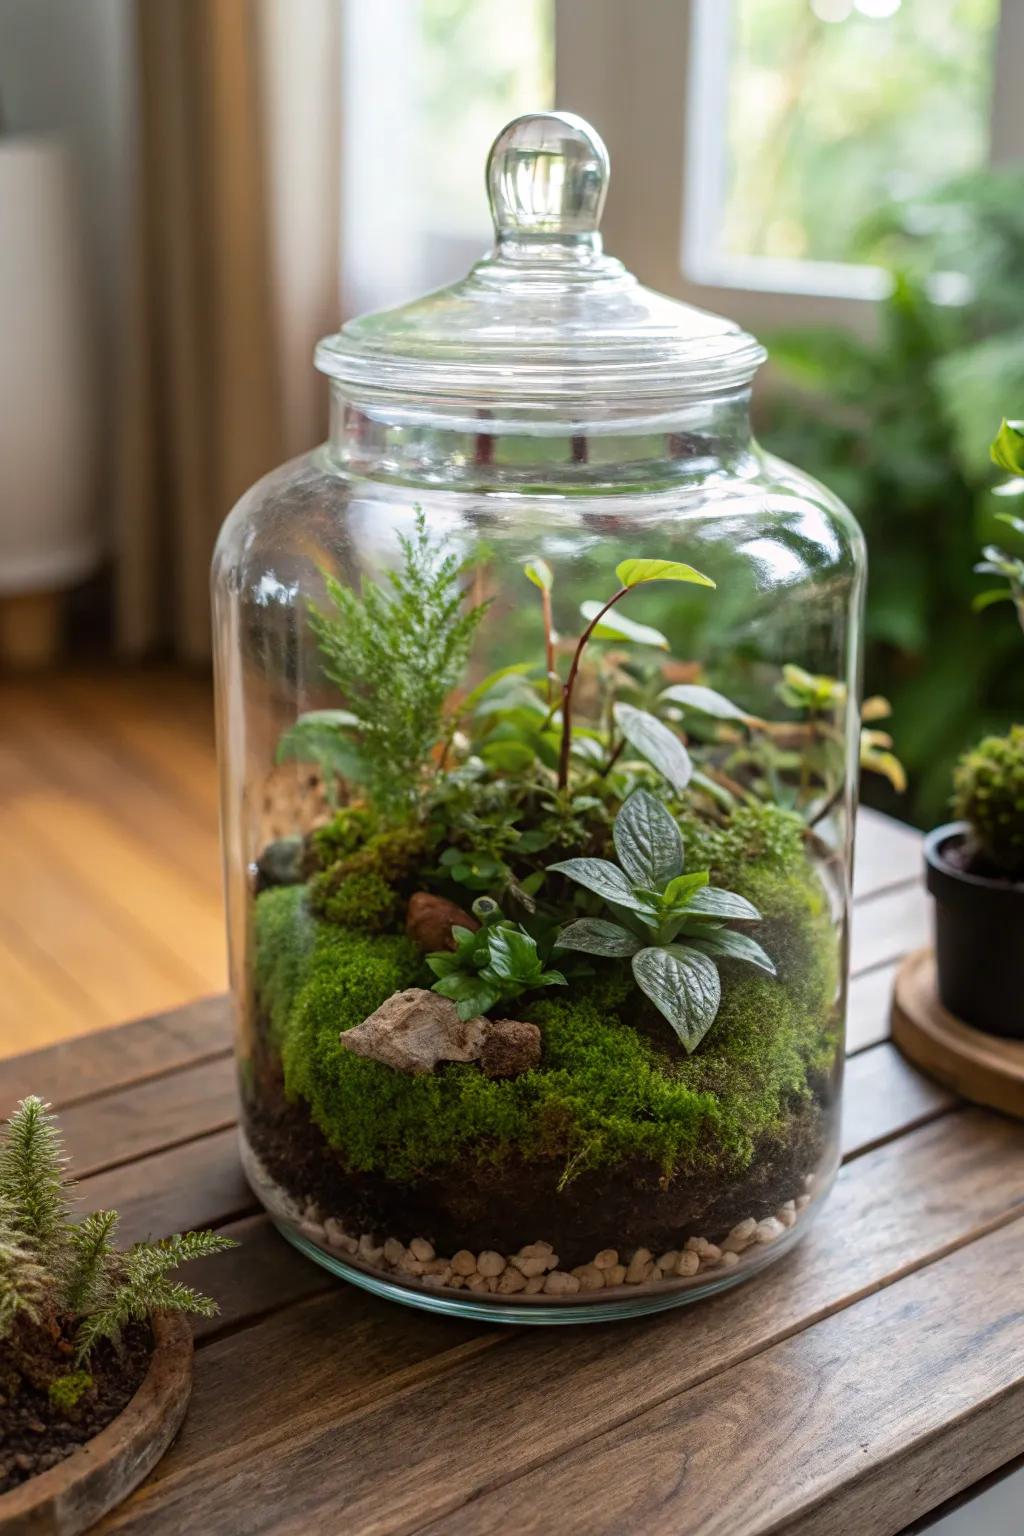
x=989, y=793
x=614, y=1086
x=66, y=1392
x=346, y=831
x=361, y=901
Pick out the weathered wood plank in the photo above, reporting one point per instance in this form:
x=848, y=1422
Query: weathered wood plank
x=150, y=1116
x=886, y=927
x=867, y=1013
x=533, y=1395
x=887, y=853
x=815, y=1437
x=884, y=1097
x=114, y=1059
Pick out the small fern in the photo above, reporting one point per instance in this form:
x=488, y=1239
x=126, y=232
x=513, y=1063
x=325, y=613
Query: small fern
x=137, y=1284
x=34, y=1182
x=57, y=1275
x=395, y=655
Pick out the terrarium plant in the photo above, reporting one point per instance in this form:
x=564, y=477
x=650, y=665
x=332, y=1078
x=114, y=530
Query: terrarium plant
x=975, y=865
x=75, y=1310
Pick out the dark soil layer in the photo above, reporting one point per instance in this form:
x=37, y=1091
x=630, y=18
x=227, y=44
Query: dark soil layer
x=34, y=1435
x=504, y=1206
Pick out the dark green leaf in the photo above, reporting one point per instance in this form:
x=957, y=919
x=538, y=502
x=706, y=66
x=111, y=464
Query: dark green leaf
x=601, y=877
x=727, y=944
x=683, y=985
x=712, y=901
x=654, y=741
x=647, y=841
x=596, y=936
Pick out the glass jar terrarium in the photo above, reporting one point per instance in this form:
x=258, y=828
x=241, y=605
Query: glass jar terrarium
x=537, y=717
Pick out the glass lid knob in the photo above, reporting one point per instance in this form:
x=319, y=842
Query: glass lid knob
x=547, y=175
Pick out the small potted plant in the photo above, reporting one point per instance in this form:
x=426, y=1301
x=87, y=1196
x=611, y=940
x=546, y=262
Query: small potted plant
x=95, y=1349
x=975, y=864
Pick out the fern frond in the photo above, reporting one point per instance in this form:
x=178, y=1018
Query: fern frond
x=395, y=654
x=92, y=1257
x=33, y=1178
x=140, y=1287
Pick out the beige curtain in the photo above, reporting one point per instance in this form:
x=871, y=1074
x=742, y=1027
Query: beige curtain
x=233, y=272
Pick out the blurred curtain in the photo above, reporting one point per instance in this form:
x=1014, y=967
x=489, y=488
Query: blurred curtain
x=233, y=273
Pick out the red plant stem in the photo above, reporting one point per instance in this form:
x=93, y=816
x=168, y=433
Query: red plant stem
x=563, y=756
x=549, y=641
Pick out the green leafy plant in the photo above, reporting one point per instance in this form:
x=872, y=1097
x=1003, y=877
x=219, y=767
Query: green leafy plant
x=989, y=794
x=58, y=1275
x=1007, y=450
x=670, y=924
x=896, y=425
x=494, y=964
x=395, y=653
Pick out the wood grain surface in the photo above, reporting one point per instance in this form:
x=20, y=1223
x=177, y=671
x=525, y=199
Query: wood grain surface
x=861, y=1381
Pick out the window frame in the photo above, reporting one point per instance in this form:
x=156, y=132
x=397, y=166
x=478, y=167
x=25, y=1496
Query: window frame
x=651, y=76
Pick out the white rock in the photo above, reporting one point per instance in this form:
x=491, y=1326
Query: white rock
x=336, y=1233
x=607, y=1258
x=534, y=1285
x=589, y=1276
x=786, y=1214
x=413, y=1030
x=491, y=1263
x=464, y=1262
x=729, y=1259
x=394, y=1251
x=560, y=1283
x=477, y=1283
x=421, y=1249
x=531, y=1268
x=615, y=1274
x=639, y=1267
x=696, y=1245
x=688, y=1263
x=668, y=1261
x=509, y=1282
x=456, y=1282
x=314, y=1231
x=769, y=1229
x=369, y=1251
x=711, y=1254
x=802, y=1202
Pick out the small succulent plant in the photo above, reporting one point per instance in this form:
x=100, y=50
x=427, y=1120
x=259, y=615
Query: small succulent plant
x=989, y=794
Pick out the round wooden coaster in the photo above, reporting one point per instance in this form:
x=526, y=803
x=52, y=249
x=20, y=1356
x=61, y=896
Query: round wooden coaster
x=986, y=1069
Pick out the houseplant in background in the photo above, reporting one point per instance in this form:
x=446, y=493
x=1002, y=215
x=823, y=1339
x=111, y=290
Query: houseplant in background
x=897, y=425
x=544, y=1022
x=95, y=1351
x=975, y=865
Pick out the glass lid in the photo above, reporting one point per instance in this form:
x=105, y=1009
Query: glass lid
x=546, y=321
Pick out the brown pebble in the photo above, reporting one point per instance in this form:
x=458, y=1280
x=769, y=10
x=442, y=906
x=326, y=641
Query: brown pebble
x=490, y=1263
x=421, y=1249
x=589, y=1276
x=607, y=1258
x=615, y=1275
x=464, y=1262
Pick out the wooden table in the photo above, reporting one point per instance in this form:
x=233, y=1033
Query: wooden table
x=865, y=1379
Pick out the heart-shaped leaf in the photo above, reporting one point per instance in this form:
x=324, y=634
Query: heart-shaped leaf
x=654, y=741
x=596, y=936
x=615, y=626
x=632, y=572
x=684, y=986
x=647, y=841
x=727, y=944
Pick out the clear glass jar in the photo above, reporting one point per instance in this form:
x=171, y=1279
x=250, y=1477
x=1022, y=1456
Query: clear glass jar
x=537, y=717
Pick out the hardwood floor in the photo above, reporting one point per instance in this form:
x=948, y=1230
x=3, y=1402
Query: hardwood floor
x=110, y=890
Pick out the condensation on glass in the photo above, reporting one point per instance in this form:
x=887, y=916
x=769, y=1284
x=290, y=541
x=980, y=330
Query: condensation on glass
x=547, y=412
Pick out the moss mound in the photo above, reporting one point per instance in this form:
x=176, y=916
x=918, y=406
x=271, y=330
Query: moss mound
x=613, y=1087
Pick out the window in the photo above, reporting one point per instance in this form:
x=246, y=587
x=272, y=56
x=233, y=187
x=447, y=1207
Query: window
x=757, y=136
x=427, y=84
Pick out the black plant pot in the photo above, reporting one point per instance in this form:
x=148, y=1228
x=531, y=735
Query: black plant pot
x=979, y=939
